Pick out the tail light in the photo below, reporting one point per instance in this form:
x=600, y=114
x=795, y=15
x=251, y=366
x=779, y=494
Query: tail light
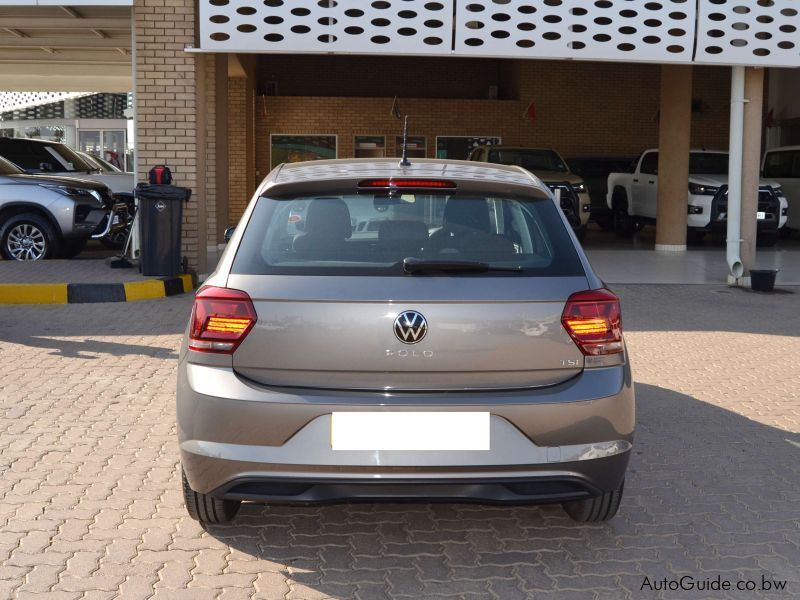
x=592, y=318
x=407, y=183
x=221, y=318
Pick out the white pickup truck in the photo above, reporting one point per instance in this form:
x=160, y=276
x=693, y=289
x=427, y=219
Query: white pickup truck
x=632, y=197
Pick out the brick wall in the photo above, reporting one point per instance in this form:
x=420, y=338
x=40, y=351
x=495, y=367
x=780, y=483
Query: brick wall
x=238, y=188
x=166, y=84
x=211, y=156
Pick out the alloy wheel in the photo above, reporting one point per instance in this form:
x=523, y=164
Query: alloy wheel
x=26, y=242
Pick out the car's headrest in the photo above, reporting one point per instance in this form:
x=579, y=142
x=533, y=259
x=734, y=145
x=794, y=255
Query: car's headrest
x=329, y=217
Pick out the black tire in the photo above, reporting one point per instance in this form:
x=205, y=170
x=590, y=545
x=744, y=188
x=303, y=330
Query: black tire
x=624, y=225
x=694, y=237
x=767, y=240
x=596, y=509
x=28, y=225
x=205, y=508
x=580, y=233
x=71, y=248
x=785, y=233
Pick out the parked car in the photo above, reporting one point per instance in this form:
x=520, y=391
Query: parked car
x=632, y=197
x=52, y=217
x=782, y=165
x=548, y=166
x=54, y=158
x=483, y=361
x=594, y=172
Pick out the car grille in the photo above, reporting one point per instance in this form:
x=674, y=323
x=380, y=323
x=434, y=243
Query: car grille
x=767, y=201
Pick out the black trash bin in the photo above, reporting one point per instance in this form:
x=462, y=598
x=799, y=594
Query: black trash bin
x=161, y=213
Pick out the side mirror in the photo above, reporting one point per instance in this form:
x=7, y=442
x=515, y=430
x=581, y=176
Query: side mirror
x=228, y=234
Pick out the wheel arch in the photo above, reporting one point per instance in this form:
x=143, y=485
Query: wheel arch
x=17, y=208
x=619, y=196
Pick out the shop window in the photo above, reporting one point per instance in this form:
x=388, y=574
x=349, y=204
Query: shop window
x=416, y=147
x=299, y=148
x=460, y=147
x=370, y=146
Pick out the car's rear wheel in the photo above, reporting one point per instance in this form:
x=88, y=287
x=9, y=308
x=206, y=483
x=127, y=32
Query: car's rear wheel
x=597, y=508
x=694, y=237
x=624, y=225
x=27, y=237
x=205, y=508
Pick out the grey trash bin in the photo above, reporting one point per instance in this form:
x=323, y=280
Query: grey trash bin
x=161, y=213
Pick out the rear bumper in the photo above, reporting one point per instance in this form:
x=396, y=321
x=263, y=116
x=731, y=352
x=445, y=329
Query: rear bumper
x=245, y=441
x=540, y=486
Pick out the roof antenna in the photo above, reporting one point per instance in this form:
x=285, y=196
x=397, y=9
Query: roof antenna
x=404, y=162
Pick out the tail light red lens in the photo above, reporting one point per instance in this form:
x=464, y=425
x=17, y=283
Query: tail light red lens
x=221, y=318
x=592, y=318
x=407, y=183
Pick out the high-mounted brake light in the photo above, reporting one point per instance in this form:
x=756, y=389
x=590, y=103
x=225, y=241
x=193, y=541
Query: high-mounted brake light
x=441, y=184
x=221, y=318
x=592, y=318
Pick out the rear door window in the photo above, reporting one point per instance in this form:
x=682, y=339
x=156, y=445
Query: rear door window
x=783, y=164
x=371, y=234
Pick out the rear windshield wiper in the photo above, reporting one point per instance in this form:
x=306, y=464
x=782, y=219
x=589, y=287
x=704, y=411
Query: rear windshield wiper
x=420, y=265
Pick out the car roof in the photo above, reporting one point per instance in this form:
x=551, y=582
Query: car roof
x=421, y=167
x=17, y=140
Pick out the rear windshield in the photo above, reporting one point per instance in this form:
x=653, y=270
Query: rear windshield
x=531, y=160
x=370, y=234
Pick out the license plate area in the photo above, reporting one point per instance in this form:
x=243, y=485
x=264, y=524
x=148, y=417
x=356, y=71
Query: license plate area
x=410, y=431
x=760, y=215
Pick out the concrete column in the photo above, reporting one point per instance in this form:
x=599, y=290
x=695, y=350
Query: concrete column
x=751, y=162
x=221, y=125
x=673, y=159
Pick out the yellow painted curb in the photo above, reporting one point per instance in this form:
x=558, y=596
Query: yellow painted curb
x=33, y=293
x=188, y=284
x=144, y=290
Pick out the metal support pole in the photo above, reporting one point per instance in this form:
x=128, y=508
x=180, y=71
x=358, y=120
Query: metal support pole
x=734, y=240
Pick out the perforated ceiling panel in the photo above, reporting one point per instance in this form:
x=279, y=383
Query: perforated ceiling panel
x=354, y=26
x=731, y=32
x=749, y=32
x=660, y=31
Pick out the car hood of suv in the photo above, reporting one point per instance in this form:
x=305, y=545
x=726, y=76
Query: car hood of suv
x=557, y=176
x=720, y=180
x=59, y=180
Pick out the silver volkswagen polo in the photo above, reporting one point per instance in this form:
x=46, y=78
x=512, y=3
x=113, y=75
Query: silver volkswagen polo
x=430, y=331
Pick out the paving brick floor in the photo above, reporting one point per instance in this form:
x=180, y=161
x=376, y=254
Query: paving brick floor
x=91, y=507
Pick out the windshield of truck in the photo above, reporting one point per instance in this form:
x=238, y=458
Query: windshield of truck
x=6, y=168
x=529, y=159
x=708, y=163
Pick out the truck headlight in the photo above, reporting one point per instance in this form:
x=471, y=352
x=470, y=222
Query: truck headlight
x=580, y=187
x=695, y=210
x=702, y=190
x=779, y=191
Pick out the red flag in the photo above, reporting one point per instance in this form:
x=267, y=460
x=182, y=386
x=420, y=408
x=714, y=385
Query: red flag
x=530, y=112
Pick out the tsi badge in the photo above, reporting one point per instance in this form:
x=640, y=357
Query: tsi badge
x=410, y=327
x=161, y=206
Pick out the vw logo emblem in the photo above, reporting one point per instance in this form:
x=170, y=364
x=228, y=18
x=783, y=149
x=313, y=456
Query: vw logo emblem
x=410, y=327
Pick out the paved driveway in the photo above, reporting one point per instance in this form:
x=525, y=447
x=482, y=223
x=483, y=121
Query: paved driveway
x=91, y=506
